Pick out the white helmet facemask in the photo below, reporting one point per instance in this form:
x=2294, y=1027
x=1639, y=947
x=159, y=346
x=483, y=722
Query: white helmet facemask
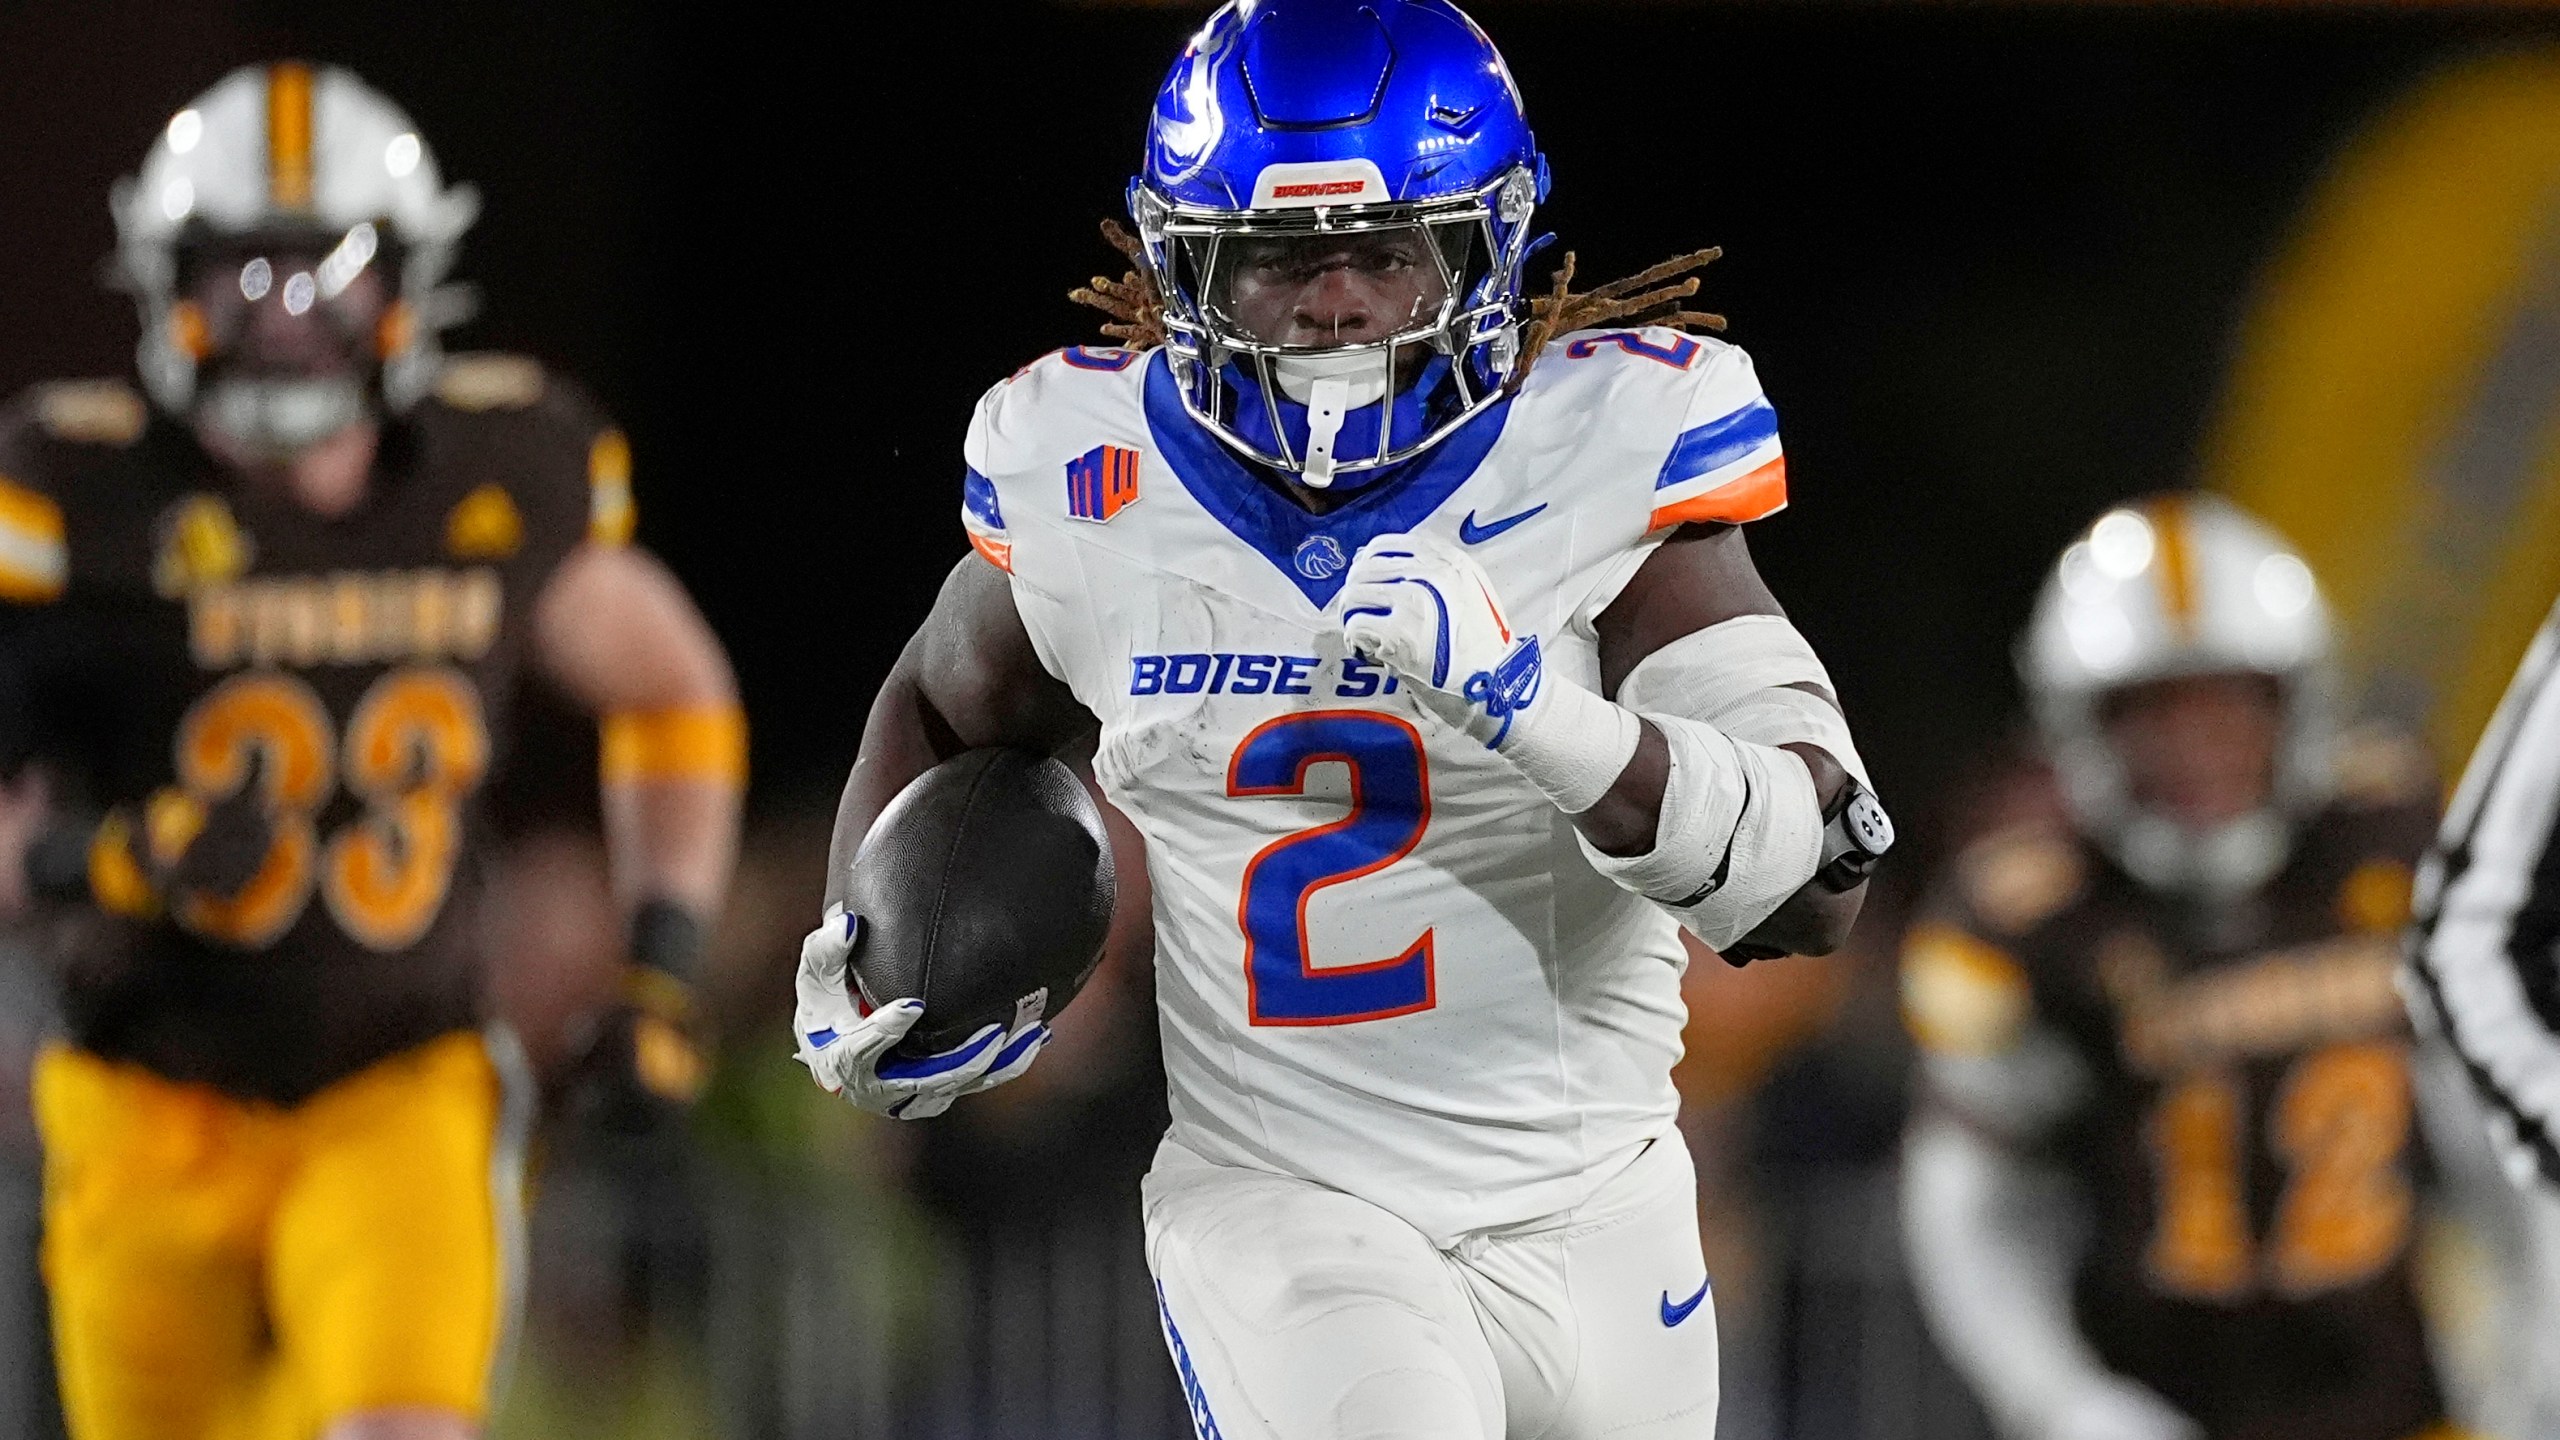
x=2180, y=585
x=310, y=159
x=276, y=418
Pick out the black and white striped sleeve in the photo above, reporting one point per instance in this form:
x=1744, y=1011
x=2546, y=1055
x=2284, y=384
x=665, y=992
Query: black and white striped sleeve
x=2484, y=960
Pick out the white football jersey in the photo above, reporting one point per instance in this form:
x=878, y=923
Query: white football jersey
x=1382, y=963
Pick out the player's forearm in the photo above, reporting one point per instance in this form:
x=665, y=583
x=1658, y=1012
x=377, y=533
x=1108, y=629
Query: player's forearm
x=902, y=739
x=673, y=840
x=969, y=677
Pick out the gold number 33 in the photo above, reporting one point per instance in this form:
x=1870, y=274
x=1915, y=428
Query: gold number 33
x=416, y=747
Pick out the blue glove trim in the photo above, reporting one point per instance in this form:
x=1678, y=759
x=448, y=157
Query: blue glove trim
x=821, y=1039
x=1439, y=656
x=894, y=1068
x=1022, y=1042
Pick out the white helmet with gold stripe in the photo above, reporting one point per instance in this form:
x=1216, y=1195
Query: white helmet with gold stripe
x=292, y=152
x=2177, y=585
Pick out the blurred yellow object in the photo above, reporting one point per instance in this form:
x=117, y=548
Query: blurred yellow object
x=187, y=1231
x=2375, y=898
x=116, y=880
x=485, y=525
x=2395, y=406
x=706, y=744
x=1961, y=995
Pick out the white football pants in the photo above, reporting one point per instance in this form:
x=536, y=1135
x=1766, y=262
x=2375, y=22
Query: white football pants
x=1295, y=1312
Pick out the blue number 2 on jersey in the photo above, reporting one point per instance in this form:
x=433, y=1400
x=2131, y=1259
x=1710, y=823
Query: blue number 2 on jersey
x=1390, y=805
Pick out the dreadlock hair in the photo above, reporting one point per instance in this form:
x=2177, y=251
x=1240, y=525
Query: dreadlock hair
x=1135, y=307
x=1648, y=297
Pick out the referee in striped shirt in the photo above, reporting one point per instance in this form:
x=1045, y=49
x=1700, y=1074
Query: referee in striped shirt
x=2484, y=959
x=2483, y=985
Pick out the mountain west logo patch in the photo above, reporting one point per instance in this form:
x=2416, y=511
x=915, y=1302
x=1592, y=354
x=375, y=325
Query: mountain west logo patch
x=484, y=526
x=1102, y=482
x=200, y=544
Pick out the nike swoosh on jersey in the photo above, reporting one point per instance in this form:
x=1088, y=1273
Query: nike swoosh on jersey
x=1673, y=1314
x=1475, y=534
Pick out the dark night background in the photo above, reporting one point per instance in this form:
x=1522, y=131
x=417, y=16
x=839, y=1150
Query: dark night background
x=1989, y=261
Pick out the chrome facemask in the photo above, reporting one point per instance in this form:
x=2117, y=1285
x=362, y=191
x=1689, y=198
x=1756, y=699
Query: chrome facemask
x=1476, y=242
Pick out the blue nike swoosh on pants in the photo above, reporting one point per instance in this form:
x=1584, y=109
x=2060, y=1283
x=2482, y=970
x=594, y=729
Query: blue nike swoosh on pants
x=1474, y=534
x=1673, y=1314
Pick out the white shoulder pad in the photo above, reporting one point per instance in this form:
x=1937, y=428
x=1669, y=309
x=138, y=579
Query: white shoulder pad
x=1026, y=430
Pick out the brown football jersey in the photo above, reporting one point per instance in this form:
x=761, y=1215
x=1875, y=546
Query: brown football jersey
x=2240, y=1115
x=172, y=630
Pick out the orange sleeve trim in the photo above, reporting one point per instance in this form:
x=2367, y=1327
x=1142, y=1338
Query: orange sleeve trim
x=690, y=743
x=999, y=553
x=1755, y=496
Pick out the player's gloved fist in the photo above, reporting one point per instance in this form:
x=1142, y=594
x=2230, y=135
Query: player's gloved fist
x=1426, y=610
x=639, y=1065
x=846, y=1044
x=190, y=847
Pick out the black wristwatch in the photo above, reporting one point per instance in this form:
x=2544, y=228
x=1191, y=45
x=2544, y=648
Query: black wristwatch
x=1855, y=835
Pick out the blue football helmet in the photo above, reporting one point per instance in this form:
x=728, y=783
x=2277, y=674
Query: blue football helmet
x=1298, y=137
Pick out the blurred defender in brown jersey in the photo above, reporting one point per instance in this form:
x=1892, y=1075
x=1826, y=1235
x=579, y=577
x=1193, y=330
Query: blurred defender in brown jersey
x=2172, y=1012
x=265, y=618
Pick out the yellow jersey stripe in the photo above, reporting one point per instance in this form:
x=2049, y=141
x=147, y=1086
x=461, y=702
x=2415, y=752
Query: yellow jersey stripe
x=611, y=516
x=34, y=564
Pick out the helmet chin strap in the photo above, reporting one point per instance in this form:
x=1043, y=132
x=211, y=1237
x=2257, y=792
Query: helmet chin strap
x=279, y=419
x=2221, y=863
x=1331, y=387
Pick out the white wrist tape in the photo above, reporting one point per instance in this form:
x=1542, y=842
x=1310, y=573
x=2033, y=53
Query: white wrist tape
x=1740, y=676
x=1572, y=744
x=1740, y=831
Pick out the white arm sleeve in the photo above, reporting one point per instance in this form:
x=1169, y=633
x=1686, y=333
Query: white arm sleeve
x=1991, y=1256
x=1741, y=826
x=2503, y=1381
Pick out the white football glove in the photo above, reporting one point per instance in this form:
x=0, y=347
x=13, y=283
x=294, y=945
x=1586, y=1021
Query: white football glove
x=1425, y=609
x=844, y=1046
x=1421, y=606
x=2120, y=1410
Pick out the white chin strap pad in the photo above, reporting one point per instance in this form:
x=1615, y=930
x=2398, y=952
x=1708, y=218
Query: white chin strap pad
x=1331, y=387
x=1329, y=401
x=1741, y=826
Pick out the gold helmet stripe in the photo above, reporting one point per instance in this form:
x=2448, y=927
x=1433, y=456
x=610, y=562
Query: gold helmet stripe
x=289, y=134
x=2177, y=562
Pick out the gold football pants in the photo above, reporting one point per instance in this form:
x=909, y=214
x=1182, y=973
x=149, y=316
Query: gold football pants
x=223, y=1269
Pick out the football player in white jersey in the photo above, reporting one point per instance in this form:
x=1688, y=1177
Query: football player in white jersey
x=1413, y=629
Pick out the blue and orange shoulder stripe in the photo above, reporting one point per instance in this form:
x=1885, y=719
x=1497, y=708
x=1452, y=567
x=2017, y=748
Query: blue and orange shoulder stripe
x=982, y=515
x=1725, y=465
